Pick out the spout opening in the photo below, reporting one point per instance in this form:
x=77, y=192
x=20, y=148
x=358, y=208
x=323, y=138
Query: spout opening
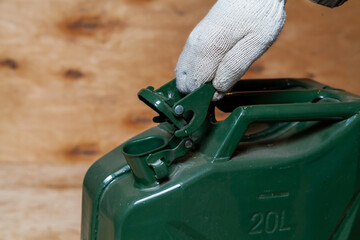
x=144, y=146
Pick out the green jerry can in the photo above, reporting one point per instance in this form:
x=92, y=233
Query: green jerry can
x=283, y=164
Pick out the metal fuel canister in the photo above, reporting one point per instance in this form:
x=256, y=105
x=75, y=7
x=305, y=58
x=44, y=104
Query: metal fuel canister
x=283, y=164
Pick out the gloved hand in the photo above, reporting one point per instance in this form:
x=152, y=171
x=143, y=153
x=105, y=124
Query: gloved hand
x=227, y=41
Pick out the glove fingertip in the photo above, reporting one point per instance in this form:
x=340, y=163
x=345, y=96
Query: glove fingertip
x=217, y=96
x=223, y=84
x=181, y=84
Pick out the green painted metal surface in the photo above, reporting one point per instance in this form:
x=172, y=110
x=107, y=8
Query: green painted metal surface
x=285, y=164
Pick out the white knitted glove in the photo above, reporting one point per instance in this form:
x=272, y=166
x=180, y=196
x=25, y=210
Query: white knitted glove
x=227, y=41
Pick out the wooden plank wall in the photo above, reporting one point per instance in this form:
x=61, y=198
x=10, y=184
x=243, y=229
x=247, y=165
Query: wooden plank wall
x=70, y=71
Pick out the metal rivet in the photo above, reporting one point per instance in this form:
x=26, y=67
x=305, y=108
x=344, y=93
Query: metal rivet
x=179, y=109
x=188, y=144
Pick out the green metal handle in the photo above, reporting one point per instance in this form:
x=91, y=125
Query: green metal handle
x=192, y=119
x=278, y=91
x=225, y=136
x=244, y=98
x=276, y=84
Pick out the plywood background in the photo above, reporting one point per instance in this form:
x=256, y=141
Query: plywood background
x=70, y=71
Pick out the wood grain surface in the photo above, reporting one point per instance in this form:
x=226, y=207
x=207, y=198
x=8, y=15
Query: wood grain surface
x=70, y=71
